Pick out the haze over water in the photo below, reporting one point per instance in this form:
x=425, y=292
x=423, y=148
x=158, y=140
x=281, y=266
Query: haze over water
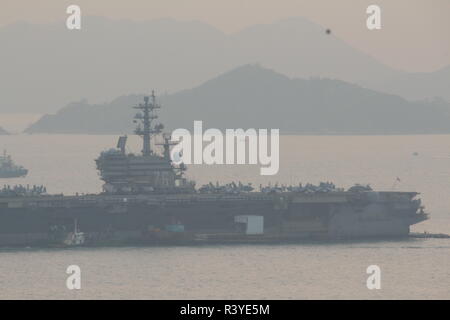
x=413, y=269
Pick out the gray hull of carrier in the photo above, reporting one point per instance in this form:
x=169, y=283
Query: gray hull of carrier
x=197, y=218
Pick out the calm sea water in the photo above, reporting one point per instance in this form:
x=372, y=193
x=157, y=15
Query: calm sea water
x=413, y=269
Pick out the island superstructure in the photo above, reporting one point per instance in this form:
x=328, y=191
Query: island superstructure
x=148, y=172
x=147, y=200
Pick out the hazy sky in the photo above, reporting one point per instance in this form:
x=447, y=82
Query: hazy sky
x=415, y=35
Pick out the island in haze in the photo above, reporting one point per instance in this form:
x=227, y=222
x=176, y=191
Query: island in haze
x=3, y=131
x=251, y=96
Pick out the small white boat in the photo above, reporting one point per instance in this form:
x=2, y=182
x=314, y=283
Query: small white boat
x=75, y=238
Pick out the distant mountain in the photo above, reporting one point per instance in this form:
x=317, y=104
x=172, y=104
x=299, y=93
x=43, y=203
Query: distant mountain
x=53, y=65
x=3, y=131
x=254, y=97
x=415, y=85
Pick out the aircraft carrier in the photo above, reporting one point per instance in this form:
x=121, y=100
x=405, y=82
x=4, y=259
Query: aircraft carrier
x=147, y=200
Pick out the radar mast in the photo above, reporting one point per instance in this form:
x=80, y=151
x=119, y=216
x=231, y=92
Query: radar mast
x=145, y=127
